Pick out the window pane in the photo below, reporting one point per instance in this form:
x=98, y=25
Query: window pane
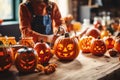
x=6, y=9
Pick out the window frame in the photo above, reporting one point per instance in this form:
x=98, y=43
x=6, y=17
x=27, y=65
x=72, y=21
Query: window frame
x=15, y=5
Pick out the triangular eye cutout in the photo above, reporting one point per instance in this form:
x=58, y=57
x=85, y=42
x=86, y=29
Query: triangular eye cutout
x=10, y=43
x=1, y=43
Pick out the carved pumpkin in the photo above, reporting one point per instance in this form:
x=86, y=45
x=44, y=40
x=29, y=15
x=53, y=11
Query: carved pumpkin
x=66, y=48
x=109, y=41
x=94, y=32
x=3, y=41
x=117, y=44
x=26, y=60
x=98, y=47
x=44, y=52
x=85, y=43
x=27, y=41
x=5, y=58
x=11, y=41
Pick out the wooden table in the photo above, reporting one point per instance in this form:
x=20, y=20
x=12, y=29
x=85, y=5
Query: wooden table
x=84, y=67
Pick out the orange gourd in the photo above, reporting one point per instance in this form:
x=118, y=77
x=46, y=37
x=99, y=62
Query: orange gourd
x=117, y=44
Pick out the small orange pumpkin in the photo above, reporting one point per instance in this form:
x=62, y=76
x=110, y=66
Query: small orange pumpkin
x=85, y=43
x=104, y=33
x=98, y=47
x=44, y=52
x=66, y=48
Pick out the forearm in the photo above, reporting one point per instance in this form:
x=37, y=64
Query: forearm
x=26, y=32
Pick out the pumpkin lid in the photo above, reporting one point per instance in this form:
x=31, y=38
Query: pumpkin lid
x=25, y=49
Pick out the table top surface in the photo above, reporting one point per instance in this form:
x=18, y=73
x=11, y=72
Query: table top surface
x=84, y=67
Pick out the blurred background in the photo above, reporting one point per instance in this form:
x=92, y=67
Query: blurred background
x=79, y=9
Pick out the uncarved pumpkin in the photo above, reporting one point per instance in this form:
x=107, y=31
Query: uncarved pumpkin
x=104, y=33
x=117, y=44
x=66, y=48
x=94, y=32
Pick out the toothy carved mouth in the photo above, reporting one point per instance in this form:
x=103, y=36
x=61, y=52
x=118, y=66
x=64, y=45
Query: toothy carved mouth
x=65, y=54
x=5, y=67
x=26, y=67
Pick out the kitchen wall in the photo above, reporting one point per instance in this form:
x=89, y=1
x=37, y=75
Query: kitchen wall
x=10, y=29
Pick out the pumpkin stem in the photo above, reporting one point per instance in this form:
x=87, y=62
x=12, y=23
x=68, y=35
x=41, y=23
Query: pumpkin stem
x=41, y=41
x=67, y=35
x=98, y=37
x=25, y=47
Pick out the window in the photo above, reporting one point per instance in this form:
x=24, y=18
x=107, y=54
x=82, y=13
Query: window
x=9, y=9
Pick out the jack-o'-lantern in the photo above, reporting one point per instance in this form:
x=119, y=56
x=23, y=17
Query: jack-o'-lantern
x=26, y=60
x=98, y=47
x=3, y=41
x=94, y=32
x=66, y=48
x=5, y=58
x=85, y=43
x=44, y=52
x=11, y=41
x=109, y=42
x=117, y=44
x=27, y=41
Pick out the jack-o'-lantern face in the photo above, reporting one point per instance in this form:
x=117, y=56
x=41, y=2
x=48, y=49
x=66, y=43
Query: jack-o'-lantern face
x=5, y=59
x=26, y=61
x=85, y=43
x=44, y=52
x=66, y=48
x=98, y=47
x=65, y=51
x=109, y=41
